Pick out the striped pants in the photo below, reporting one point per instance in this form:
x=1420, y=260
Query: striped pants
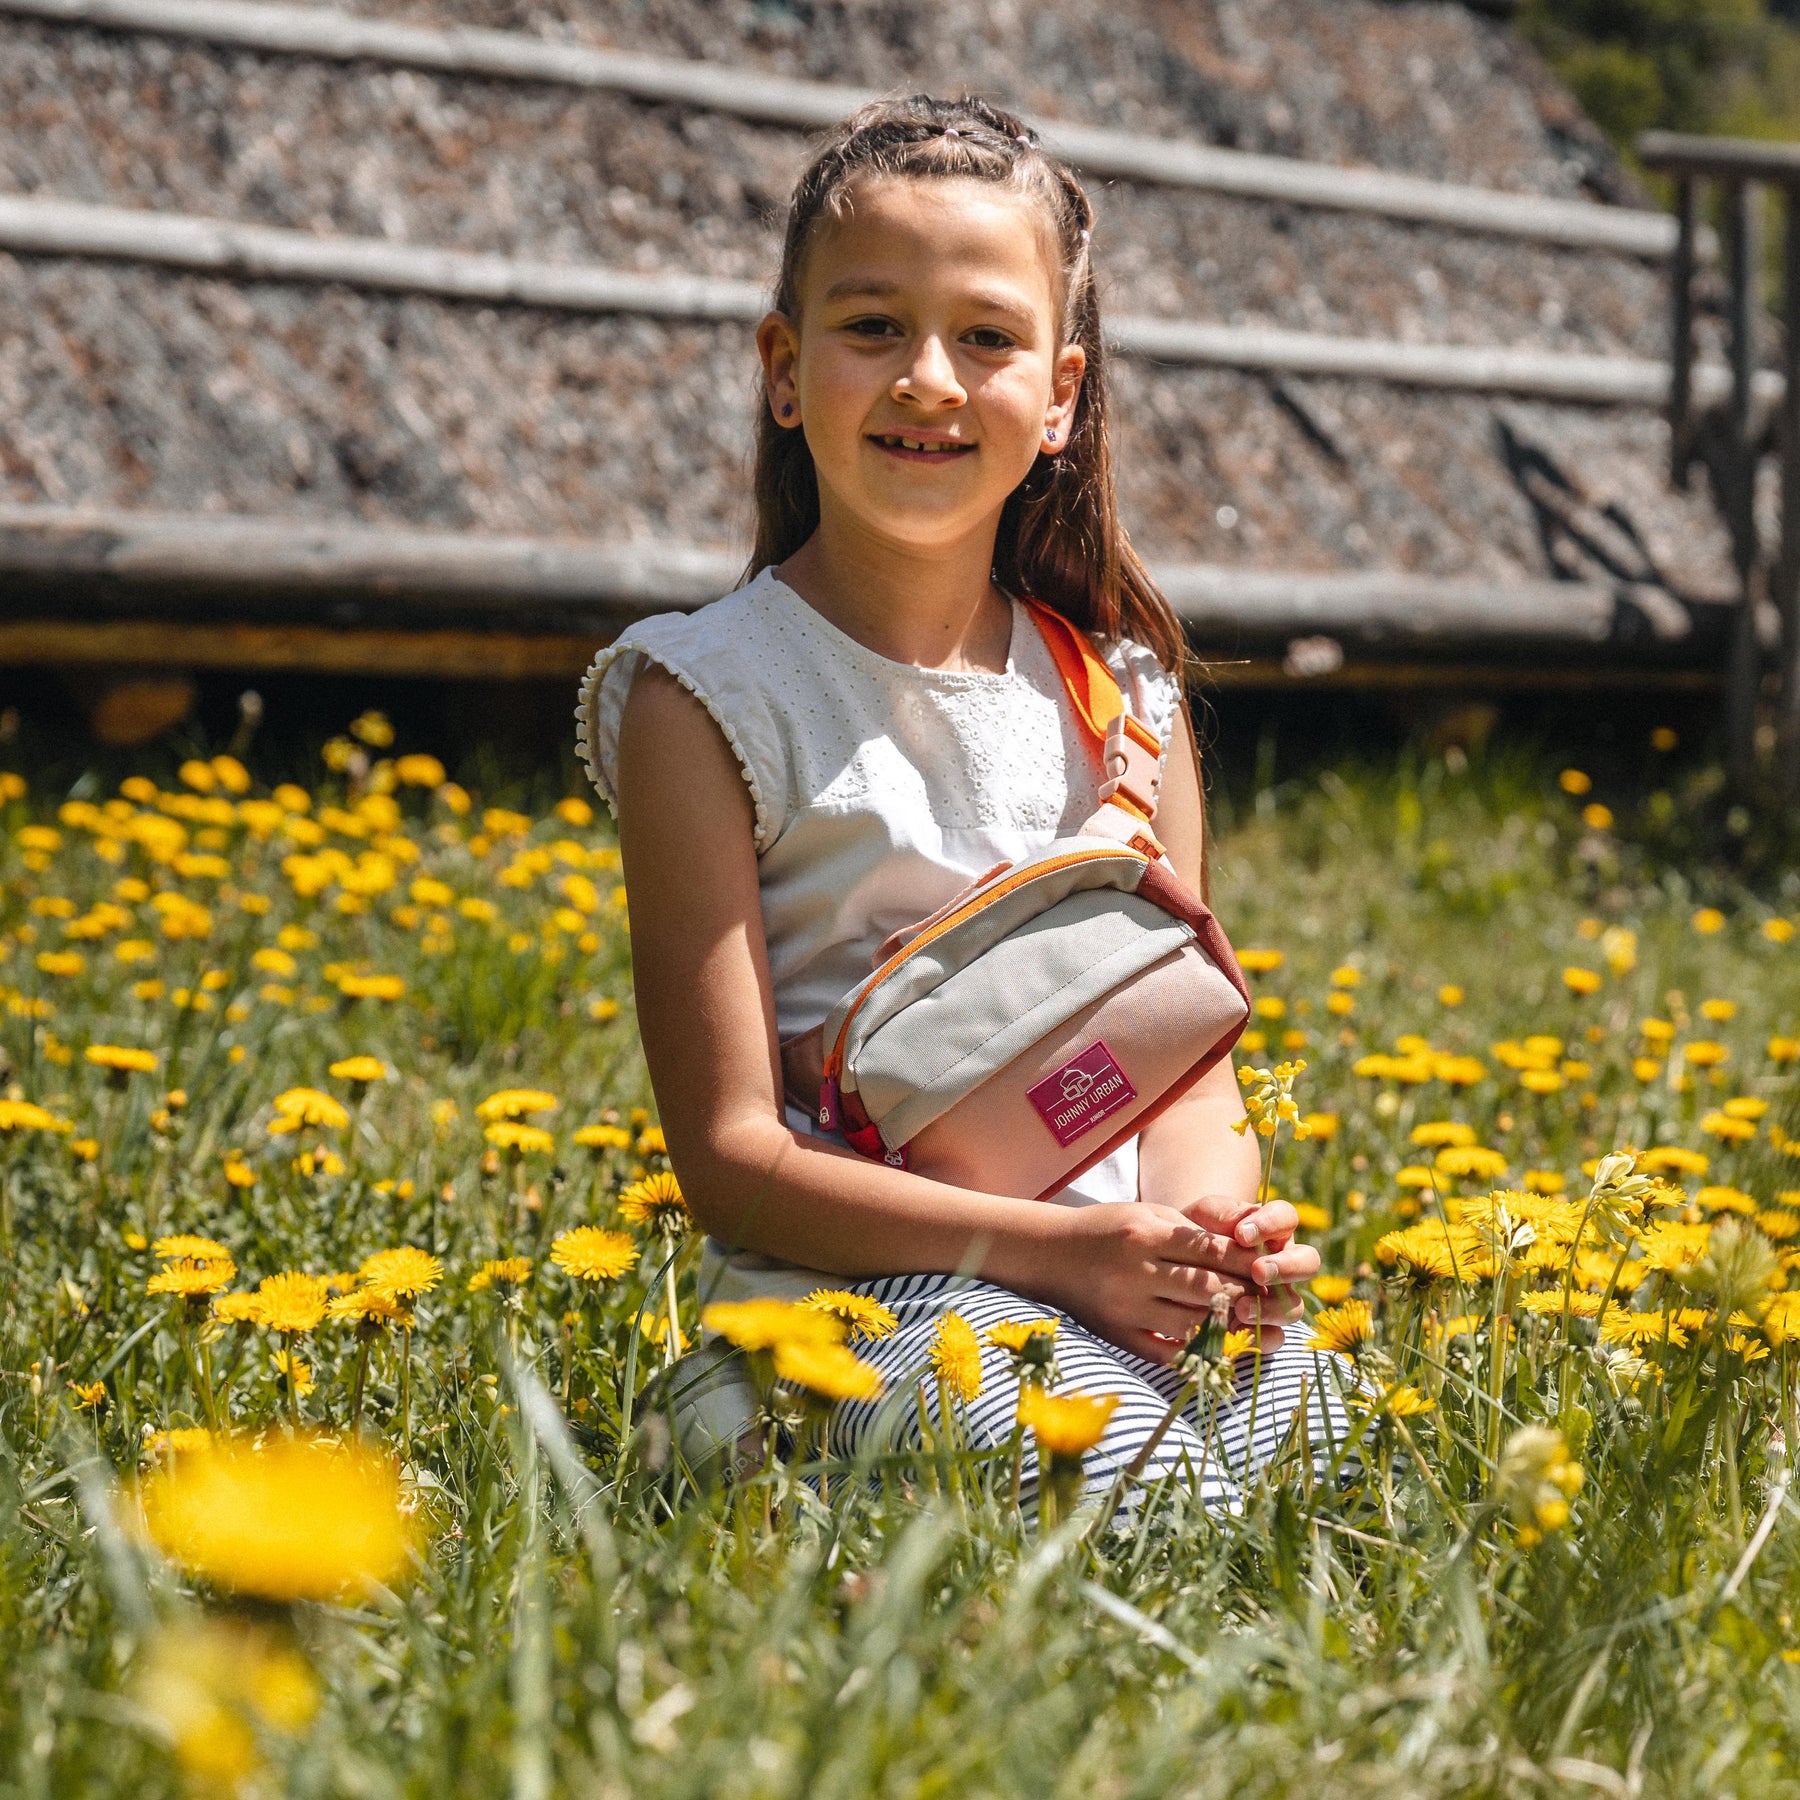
x=1217, y=1446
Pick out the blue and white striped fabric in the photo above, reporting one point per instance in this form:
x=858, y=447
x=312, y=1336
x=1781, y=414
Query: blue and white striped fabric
x=1214, y=1446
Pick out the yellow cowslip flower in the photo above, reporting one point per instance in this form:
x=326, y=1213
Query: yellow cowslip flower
x=1346, y=1330
x=505, y=1273
x=359, y=1069
x=656, y=1202
x=515, y=1103
x=861, y=1316
x=1580, y=981
x=1269, y=1100
x=121, y=1059
x=291, y=1301
x=193, y=1280
x=1331, y=1289
x=956, y=1358
x=1471, y=1160
x=1260, y=962
x=1708, y=920
x=308, y=1106
x=827, y=1371
x=185, y=1246
x=1065, y=1426
x=509, y=1134
x=403, y=1273
x=603, y=1137
x=761, y=1324
x=293, y=1519
x=1436, y=1134
x=589, y=1254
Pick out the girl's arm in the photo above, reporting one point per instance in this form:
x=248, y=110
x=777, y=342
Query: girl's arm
x=1189, y=1158
x=706, y=1012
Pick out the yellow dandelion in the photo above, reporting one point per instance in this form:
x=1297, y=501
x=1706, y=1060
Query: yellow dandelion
x=370, y=1309
x=308, y=1106
x=403, y=1273
x=87, y=1396
x=761, y=1324
x=861, y=1316
x=1346, y=1330
x=1442, y=1134
x=1399, y=1402
x=1580, y=981
x=295, y=1371
x=1471, y=1160
x=1333, y=1290
x=293, y=1519
x=1260, y=962
x=956, y=1358
x=238, y=1172
x=292, y=1301
x=603, y=1137
x=121, y=1059
x=1065, y=1426
x=1704, y=1053
x=515, y=1103
x=193, y=1249
x=192, y=1280
x=238, y=1309
x=510, y=1134
x=504, y=1272
x=359, y=1069
x=656, y=1202
x=589, y=1254
x=829, y=1371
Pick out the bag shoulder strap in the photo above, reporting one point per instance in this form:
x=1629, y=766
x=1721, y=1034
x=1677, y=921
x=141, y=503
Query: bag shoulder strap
x=1130, y=753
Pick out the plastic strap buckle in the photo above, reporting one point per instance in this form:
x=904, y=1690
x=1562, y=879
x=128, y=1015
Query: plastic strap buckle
x=1131, y=760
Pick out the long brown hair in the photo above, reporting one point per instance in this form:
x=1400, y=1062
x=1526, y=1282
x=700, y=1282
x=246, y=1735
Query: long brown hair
x=1060, y=539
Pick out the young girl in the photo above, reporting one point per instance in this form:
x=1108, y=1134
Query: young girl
x=871, y=722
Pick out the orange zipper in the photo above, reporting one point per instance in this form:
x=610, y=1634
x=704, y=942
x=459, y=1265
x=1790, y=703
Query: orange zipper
x=834, y=1063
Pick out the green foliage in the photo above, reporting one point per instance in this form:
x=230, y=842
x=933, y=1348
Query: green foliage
x=1728, y=66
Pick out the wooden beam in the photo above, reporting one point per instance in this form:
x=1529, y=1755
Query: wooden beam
x=770, y=99
x=34, y=226
x=130, y=564
x=1723, y=158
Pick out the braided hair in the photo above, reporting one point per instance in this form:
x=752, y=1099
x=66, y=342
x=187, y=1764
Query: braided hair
x=1060, y=539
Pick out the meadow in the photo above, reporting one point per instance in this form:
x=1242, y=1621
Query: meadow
x=340, y=1247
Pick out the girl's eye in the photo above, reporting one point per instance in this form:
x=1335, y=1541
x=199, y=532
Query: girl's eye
x=990, y=337
x=872, y=327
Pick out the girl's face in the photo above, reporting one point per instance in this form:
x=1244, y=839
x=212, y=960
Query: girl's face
x=925, y=365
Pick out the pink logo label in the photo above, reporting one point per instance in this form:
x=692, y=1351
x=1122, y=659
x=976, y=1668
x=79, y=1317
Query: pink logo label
x=1076, y=1097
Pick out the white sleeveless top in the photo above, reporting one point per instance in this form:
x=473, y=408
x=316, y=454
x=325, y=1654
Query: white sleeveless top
x=881, y=789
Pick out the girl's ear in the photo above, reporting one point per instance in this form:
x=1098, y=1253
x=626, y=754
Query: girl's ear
x=1065, y=390
x=778, y=344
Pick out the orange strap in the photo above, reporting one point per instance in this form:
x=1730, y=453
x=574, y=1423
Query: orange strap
x=1092, y=689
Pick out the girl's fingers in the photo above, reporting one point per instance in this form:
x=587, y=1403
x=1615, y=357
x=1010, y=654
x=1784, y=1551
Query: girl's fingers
x=1194, y=1287
x=1298, y=1262
x=1271, y=1224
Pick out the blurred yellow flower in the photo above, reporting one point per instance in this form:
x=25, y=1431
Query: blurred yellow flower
x=956, y=1358
x=1331, y=1289
x=828, y=1370
x=1260, y=962
x=121, y=1058
x=515, y=1103
x=307, y=1106
x=503, y=1272
x=293, y=1519
x=359, y=1068
x=861, y=1316
x=509, y=1134
x=1575, y=782
x=761, y=1324
x=1065, y=1425
x=1708, y=920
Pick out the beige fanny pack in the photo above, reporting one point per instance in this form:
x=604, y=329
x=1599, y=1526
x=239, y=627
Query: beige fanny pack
x=1045, y=1015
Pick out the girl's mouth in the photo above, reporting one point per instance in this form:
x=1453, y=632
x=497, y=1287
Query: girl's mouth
x=921, y=449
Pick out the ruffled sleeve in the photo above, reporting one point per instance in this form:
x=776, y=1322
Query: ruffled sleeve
x=703, y=651
x=1150, y=691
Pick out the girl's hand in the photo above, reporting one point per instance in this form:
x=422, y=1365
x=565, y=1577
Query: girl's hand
x=1256, y=1241
x=1144, y=1276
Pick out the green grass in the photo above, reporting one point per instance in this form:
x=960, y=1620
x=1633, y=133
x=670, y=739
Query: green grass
x=583, y=1620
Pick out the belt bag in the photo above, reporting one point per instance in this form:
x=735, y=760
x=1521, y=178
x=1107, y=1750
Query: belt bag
x=1046, y=1014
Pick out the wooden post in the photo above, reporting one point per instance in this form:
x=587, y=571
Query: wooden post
x=1681, y=348
x=1743, y=671
x=1787, y=576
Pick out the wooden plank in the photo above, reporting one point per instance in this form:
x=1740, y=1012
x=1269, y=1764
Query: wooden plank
x=296, y=649
x=770, y=99
x=208, y=561
x=1723, y=158
x=34, y=226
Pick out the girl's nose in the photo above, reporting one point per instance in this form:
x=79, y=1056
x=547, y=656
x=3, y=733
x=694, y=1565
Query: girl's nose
x=930, y=378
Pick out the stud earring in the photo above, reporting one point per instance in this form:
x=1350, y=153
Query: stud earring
x=787, y=412
x=1051, y=435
